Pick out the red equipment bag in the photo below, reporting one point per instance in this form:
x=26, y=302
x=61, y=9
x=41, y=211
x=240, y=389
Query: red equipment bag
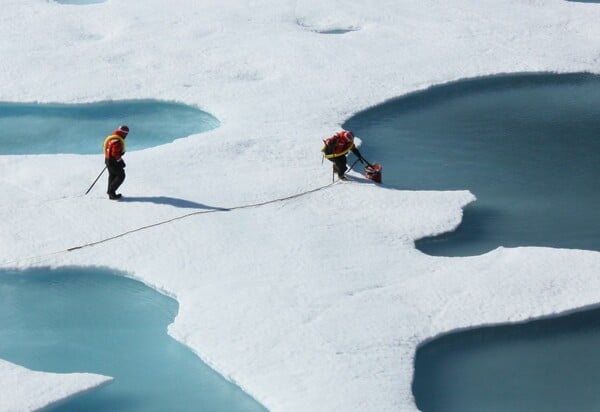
x=373, y=172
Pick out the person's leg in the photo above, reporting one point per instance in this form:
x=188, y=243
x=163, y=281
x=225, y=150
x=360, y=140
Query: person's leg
x=119, y=179
x=339, y=166
x=111, y=174
x=116, y=176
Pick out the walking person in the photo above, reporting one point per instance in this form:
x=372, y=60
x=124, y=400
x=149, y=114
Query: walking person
x=336, y=148
x=114, y=149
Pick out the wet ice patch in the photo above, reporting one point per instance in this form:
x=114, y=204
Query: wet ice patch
x=79, y=1
x=327, y=28
x=332, y=17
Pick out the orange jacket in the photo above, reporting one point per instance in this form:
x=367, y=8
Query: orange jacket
x=338, y=145
x=114, y=147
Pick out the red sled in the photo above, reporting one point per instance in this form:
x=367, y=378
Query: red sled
x=373, y=172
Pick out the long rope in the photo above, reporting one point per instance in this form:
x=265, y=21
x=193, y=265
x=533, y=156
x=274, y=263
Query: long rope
x=200, y=212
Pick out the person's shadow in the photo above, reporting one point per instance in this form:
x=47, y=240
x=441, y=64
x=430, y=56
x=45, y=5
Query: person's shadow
x=171, y=201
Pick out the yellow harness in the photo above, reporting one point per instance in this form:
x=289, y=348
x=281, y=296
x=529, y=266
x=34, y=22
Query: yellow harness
x=342, y=153
x=111, y=137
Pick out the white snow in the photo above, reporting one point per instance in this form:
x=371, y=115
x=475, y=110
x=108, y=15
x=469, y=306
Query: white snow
x=26, y=390
x=317, y=302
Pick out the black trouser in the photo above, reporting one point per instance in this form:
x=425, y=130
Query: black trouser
x=339, y=165
x=116, y=175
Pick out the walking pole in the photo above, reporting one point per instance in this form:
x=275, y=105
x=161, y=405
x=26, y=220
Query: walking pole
x=88, y=191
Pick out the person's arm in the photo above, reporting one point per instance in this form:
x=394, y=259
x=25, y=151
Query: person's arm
x=328, y=146
x=356, y=152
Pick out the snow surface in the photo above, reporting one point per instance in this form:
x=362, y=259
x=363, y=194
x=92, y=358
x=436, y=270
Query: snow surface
x=26, y=390
x=317, y=302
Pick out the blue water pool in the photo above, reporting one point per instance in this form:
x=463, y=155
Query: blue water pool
x=81, y=128
x=90, y=320
x=528, y=146
x=550, y=365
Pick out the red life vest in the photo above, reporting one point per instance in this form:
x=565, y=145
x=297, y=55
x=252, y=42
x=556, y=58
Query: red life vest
x=114, y=147
x=338, y=145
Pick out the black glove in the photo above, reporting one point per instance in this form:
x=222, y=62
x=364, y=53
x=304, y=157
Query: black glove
x=123, y=164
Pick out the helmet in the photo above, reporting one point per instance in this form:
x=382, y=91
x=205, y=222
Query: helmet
x=348, y=135
x=122, y=130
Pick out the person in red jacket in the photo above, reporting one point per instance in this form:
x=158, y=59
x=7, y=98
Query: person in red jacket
x=336, y=148
x=114, y=149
